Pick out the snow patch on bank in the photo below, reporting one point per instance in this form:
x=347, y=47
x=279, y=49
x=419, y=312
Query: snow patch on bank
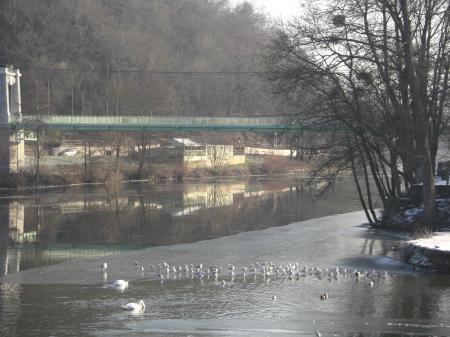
x=439, y=181
x=438, y=242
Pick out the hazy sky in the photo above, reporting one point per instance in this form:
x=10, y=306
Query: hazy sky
x=277, y=8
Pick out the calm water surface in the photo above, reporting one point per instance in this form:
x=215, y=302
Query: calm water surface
x=61, y=225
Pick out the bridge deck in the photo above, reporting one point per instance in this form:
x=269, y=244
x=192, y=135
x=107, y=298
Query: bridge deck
x=158, y=123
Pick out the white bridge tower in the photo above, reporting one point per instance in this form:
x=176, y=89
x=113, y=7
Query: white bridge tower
x=12, y=144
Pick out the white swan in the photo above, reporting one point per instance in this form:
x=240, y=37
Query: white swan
x=120, y=284
x=135, y=306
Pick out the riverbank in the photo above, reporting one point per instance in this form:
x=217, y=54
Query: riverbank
x=69, y=175
x=331, y=241
x=429, y=246
x=430, y=253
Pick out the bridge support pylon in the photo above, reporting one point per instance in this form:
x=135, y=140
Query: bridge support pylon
x=12, y=144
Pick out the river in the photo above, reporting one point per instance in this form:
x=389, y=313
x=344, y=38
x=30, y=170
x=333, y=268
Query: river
x=51, y=242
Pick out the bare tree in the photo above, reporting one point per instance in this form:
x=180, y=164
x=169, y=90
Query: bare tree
x=376, y=71
x=117, y=150
x=40, y=133
x=142, y=145
x=216, y=155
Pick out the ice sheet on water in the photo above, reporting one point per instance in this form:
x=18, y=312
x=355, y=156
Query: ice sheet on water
x=389, y=262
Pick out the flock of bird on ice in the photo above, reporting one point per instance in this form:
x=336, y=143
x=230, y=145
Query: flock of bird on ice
x=266, y=269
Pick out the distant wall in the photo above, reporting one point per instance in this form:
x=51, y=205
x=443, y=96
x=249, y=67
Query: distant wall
x=269, y=151
x=204, y=158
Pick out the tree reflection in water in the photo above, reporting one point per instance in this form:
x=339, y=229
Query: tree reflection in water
x=62, y=224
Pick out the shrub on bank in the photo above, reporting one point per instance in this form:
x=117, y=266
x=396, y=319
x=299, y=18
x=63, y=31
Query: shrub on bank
x=101, y=171
x=274, y=165
x=407, y=215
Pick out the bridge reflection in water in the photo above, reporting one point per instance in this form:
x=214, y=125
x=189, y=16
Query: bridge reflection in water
x=92, y=222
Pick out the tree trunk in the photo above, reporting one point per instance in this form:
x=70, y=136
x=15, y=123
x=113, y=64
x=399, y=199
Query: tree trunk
x=37, y=156
x=116, y=163
x=85, y=162
x=414, y=75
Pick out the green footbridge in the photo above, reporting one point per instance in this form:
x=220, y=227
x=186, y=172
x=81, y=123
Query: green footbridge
x=157, y=123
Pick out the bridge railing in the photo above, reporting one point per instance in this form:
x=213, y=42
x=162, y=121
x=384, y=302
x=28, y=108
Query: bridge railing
x=151, y=120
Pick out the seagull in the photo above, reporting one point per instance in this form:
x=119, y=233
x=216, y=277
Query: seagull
x=200, y=274
x=103, y=266
x=274, y=298
x=135, y=306
x=120, y=284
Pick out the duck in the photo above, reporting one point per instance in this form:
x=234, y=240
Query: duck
x=135, y=306
x=120, y=284
x=324, y=296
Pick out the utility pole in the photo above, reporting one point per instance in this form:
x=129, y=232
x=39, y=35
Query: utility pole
x=37, y=97
x=37, y=149
x=82, y=104
x=48, y=96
